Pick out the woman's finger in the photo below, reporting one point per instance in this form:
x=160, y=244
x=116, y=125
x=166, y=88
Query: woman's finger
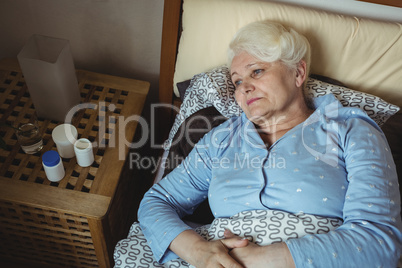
x=229, y=234
x=234, y=242
x=222, y=258
x=230, y=262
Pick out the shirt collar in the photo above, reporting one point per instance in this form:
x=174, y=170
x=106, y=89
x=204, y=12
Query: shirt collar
x=249, y=134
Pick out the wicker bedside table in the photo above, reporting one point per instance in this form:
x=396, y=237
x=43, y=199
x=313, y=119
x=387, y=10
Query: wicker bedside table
x=74, y=222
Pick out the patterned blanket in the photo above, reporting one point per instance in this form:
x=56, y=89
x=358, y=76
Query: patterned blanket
x=262, y=227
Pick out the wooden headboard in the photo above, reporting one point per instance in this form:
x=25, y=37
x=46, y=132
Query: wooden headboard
x=394, y=3
x=170, y=41
x=171, y=36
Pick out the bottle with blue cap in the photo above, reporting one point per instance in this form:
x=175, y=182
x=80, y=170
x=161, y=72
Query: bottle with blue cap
x=53, y=166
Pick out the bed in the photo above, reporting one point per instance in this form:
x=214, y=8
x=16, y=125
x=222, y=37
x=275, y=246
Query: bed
x=358, y=60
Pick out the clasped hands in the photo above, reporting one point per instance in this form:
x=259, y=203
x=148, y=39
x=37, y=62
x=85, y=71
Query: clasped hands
x=248, y=254
x=232, y=252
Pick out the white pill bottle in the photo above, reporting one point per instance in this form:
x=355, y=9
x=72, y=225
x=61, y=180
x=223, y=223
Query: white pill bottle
x=53, y=166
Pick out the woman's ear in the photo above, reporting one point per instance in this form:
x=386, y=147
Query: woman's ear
x=301, y=73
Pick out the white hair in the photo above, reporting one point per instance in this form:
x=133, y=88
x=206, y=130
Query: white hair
x=270, y=41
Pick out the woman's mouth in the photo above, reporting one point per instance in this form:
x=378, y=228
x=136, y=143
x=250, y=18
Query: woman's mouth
x=250, y=101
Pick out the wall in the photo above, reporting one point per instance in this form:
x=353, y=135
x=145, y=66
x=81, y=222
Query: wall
x=120, y=37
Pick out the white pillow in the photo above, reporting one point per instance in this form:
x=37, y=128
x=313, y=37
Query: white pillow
x=376, y=108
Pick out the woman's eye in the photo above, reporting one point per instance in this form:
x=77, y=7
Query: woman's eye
x=237, y=83
x=257, y=71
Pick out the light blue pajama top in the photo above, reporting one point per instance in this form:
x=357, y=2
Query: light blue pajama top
x=335, y=164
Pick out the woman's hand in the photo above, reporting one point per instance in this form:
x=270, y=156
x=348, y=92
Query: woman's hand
x=254, y=256
x=201, y=253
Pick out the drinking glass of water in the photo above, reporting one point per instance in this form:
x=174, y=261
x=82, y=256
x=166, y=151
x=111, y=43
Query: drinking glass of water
x=29, y=137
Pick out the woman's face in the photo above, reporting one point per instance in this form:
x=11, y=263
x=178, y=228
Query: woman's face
x=265, y=91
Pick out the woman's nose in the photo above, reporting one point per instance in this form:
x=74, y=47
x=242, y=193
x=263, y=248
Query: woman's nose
x=246, y=87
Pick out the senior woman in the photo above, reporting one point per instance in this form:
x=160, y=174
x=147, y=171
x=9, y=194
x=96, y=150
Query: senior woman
x=336, y=164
